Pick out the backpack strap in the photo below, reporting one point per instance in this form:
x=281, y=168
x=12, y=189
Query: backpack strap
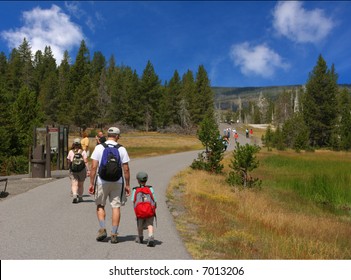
x=115, y=146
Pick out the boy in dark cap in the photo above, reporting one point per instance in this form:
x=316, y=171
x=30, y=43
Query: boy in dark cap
x=144, y=201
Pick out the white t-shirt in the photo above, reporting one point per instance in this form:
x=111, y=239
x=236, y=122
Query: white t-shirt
x=97, y=155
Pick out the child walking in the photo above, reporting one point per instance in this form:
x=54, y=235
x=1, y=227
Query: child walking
x=144, y=201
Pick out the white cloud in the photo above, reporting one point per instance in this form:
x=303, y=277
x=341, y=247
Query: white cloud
x=43, y=28
x=74, y=9
x=300, y=25
x=91, y=21
x=259, y=60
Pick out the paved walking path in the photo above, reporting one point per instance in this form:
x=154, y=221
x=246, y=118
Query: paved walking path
x=42, y=223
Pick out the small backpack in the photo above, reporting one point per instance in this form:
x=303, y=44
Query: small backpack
x=144, y=203
x=110, y=168
x=77, y=163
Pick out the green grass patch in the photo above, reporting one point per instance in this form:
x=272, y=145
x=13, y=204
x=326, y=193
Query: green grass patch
x=323, y=178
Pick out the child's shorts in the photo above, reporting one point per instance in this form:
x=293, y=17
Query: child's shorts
x=144, y=223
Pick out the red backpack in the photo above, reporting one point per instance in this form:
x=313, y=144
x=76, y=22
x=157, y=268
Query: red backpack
x=144, y=202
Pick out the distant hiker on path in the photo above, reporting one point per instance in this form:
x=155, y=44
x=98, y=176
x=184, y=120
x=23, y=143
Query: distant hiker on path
x=85, y=143
x=100, y=138
x=78, y=169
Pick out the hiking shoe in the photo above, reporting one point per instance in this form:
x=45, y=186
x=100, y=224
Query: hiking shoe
x=139, y=239
x=75, y=199
x=151, y=242
x=114, y=238
x=102, y=234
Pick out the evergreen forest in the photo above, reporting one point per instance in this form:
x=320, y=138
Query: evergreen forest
x=91, y=92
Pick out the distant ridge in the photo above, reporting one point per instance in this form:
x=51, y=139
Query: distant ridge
x=225, y=97
x=247, y=91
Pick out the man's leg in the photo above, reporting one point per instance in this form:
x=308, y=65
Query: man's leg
x=101, y=215
x=116, y=217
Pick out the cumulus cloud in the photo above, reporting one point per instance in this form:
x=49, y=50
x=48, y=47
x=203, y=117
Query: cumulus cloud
x=259, y=60
x=300, y=25
x=41, y=28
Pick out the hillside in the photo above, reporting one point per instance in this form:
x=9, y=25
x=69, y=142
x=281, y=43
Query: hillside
x=225, y=97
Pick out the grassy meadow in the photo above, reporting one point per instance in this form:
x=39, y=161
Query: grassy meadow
x=303, y=210
x=146, y=144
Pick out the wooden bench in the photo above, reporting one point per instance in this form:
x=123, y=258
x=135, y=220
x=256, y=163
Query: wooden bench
x=4, y=193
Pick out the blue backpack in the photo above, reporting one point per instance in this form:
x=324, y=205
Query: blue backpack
x=110, y=168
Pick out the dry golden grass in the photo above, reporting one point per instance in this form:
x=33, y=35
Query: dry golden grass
x=218, y=222
x=246, y=224
x=153, y=143
x=145, y=144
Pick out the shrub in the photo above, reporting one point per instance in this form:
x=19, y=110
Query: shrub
x=209, y=136
x=243, y=162
x=13, y=165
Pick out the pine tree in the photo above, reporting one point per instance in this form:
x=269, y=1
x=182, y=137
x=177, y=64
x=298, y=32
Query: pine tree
x=13, y=75
x=188, y=92
x=98, y=65
x=209, y=135
x=204, y=98
x=345, y=120
x=150, y=93
x=104, y=100
x=26, y=115
x=85, y=111
x=133, y=108
x=47, y=83
x=171, y=101
x=85, y=98
x=65, y=97
x=26, y=58
x=5, y=129
x=98, y=77
x=81, y=67
x=320, y=104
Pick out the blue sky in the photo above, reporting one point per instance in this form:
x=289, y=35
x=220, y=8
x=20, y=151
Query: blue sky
x=240, y=43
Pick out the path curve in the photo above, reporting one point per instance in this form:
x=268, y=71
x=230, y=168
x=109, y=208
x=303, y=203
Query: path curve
x=42, y=223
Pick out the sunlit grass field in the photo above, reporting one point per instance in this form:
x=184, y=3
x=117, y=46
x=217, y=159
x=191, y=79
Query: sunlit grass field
x=301, y=212
x=154, y=144
x=146, y=144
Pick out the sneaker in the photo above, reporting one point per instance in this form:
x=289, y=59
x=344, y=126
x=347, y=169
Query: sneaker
x=139, y=239
x=151, y=242
x=80, y=199
x=102, y=234
x=75, y=199
x=114, y=238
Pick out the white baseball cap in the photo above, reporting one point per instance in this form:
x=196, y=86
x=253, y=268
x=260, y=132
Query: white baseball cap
x=113, y=130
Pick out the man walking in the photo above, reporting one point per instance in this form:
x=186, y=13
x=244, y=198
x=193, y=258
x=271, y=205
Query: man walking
x=115, y=191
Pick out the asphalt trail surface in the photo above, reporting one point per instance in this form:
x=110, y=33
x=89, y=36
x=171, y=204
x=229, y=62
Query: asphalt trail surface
x=42, y=223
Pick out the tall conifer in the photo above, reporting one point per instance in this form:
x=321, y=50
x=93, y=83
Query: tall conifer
x=320, y=103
